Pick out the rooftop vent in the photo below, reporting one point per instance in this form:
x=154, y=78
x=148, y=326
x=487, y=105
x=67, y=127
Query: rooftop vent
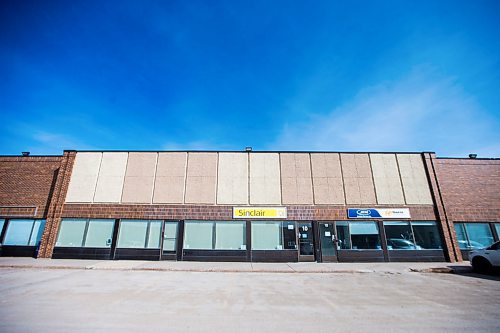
x=472, y=155
x=26, y=153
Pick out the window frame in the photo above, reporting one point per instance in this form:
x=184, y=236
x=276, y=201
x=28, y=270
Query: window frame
x=7, y=224
x=85, y=233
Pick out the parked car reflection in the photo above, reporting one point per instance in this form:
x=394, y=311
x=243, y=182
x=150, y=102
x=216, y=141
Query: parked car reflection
x=401, y=244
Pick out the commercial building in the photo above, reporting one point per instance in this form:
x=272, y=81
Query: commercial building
x=248, y=206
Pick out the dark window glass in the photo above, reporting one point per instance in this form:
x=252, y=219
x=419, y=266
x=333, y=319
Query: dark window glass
x=327, y=236
x=344, y=239
x=399, y=236
x=364, y=235
x=289, y=236
x=426, y=235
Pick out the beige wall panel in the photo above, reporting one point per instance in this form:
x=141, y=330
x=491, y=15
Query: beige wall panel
x=415, y=184
x=386, y=179
x=84, y=177
x=358, y=180
x=327, y=178
x=171, y=165
x=139, y=178
x=352, y=195
x=111, y=177
x=201, y=179
x=296, y=183
x=232, y=179
x=169, y=190
x=265, y=180
x=170, y=178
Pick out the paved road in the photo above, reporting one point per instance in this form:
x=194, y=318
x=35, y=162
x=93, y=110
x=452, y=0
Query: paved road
x=68, y=300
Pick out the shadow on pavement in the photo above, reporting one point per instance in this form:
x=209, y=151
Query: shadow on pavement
x=494, y=275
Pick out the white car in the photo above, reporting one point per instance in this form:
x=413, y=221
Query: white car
x=484, y=260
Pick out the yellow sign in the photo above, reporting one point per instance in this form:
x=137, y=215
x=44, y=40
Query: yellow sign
x=259, y=213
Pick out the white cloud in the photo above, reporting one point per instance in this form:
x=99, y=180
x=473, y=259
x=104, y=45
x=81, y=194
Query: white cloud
x=421, y=112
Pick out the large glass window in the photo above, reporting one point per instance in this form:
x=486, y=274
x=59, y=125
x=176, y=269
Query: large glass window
x=139, y=234
x=402, y=235
x=215, y=235
x=399, y=236
x=198, y=235
x=497, y=227
x=267, y=236
x=473, y=235
x=24, y=232
x=358, y=235
x=274, y=235
x=85, y=233
x=426, y=235
x=99, y=233
x=230, y=236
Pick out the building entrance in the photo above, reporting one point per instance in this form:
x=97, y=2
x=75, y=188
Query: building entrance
x=306, y=241
x=327, y=242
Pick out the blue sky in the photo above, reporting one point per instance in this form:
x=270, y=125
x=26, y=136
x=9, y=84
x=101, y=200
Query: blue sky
x=274, y=75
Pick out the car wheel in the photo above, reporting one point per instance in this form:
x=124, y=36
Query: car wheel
x=481, y=265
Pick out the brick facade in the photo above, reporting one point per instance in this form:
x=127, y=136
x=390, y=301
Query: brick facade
x=27, y=184
x=469, y=191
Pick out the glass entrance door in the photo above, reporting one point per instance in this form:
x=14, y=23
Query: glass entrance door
x=169, y=241
x=327, y=242
x=306, y=241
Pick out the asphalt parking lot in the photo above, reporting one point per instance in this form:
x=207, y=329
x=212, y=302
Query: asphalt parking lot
x=75, y=300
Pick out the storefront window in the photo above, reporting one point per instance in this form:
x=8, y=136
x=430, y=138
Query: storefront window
x=426, y=235
x=463, y=243
x=327, y=236
x=139, y=234
x=230, y=236
x=154, y=234
x=344, y=239
x=198, y=235
x=85, y=233
x=215, y=235
x=497, y=227
x=473, y=235
x=24, y=232
x=358, y=235
x=267, y=236
x=2, y=222
x=399, y=236
x=364, y=235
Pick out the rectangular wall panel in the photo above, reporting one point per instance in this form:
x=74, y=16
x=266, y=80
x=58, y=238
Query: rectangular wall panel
x=265, y=180
x=84, y=177
x=111, y=177
x=139, y=178
x=232, y=180
x=170, y=178
x=386, y=178
x=358, y=180
x=296, y=182
x=327, y=178
x=414, y=178
x=201, y=179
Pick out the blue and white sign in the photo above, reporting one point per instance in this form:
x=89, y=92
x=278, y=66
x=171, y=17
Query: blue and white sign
x=380, y=213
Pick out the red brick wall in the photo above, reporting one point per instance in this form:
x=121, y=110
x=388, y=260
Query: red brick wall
x=470, y=189
x=208, y=212
x=27, y=181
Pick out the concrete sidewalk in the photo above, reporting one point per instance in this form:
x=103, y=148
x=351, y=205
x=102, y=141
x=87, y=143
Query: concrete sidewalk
x=187, y=266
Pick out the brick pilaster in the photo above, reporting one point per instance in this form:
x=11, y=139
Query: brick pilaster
x=56, y=205
x=452, y=251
